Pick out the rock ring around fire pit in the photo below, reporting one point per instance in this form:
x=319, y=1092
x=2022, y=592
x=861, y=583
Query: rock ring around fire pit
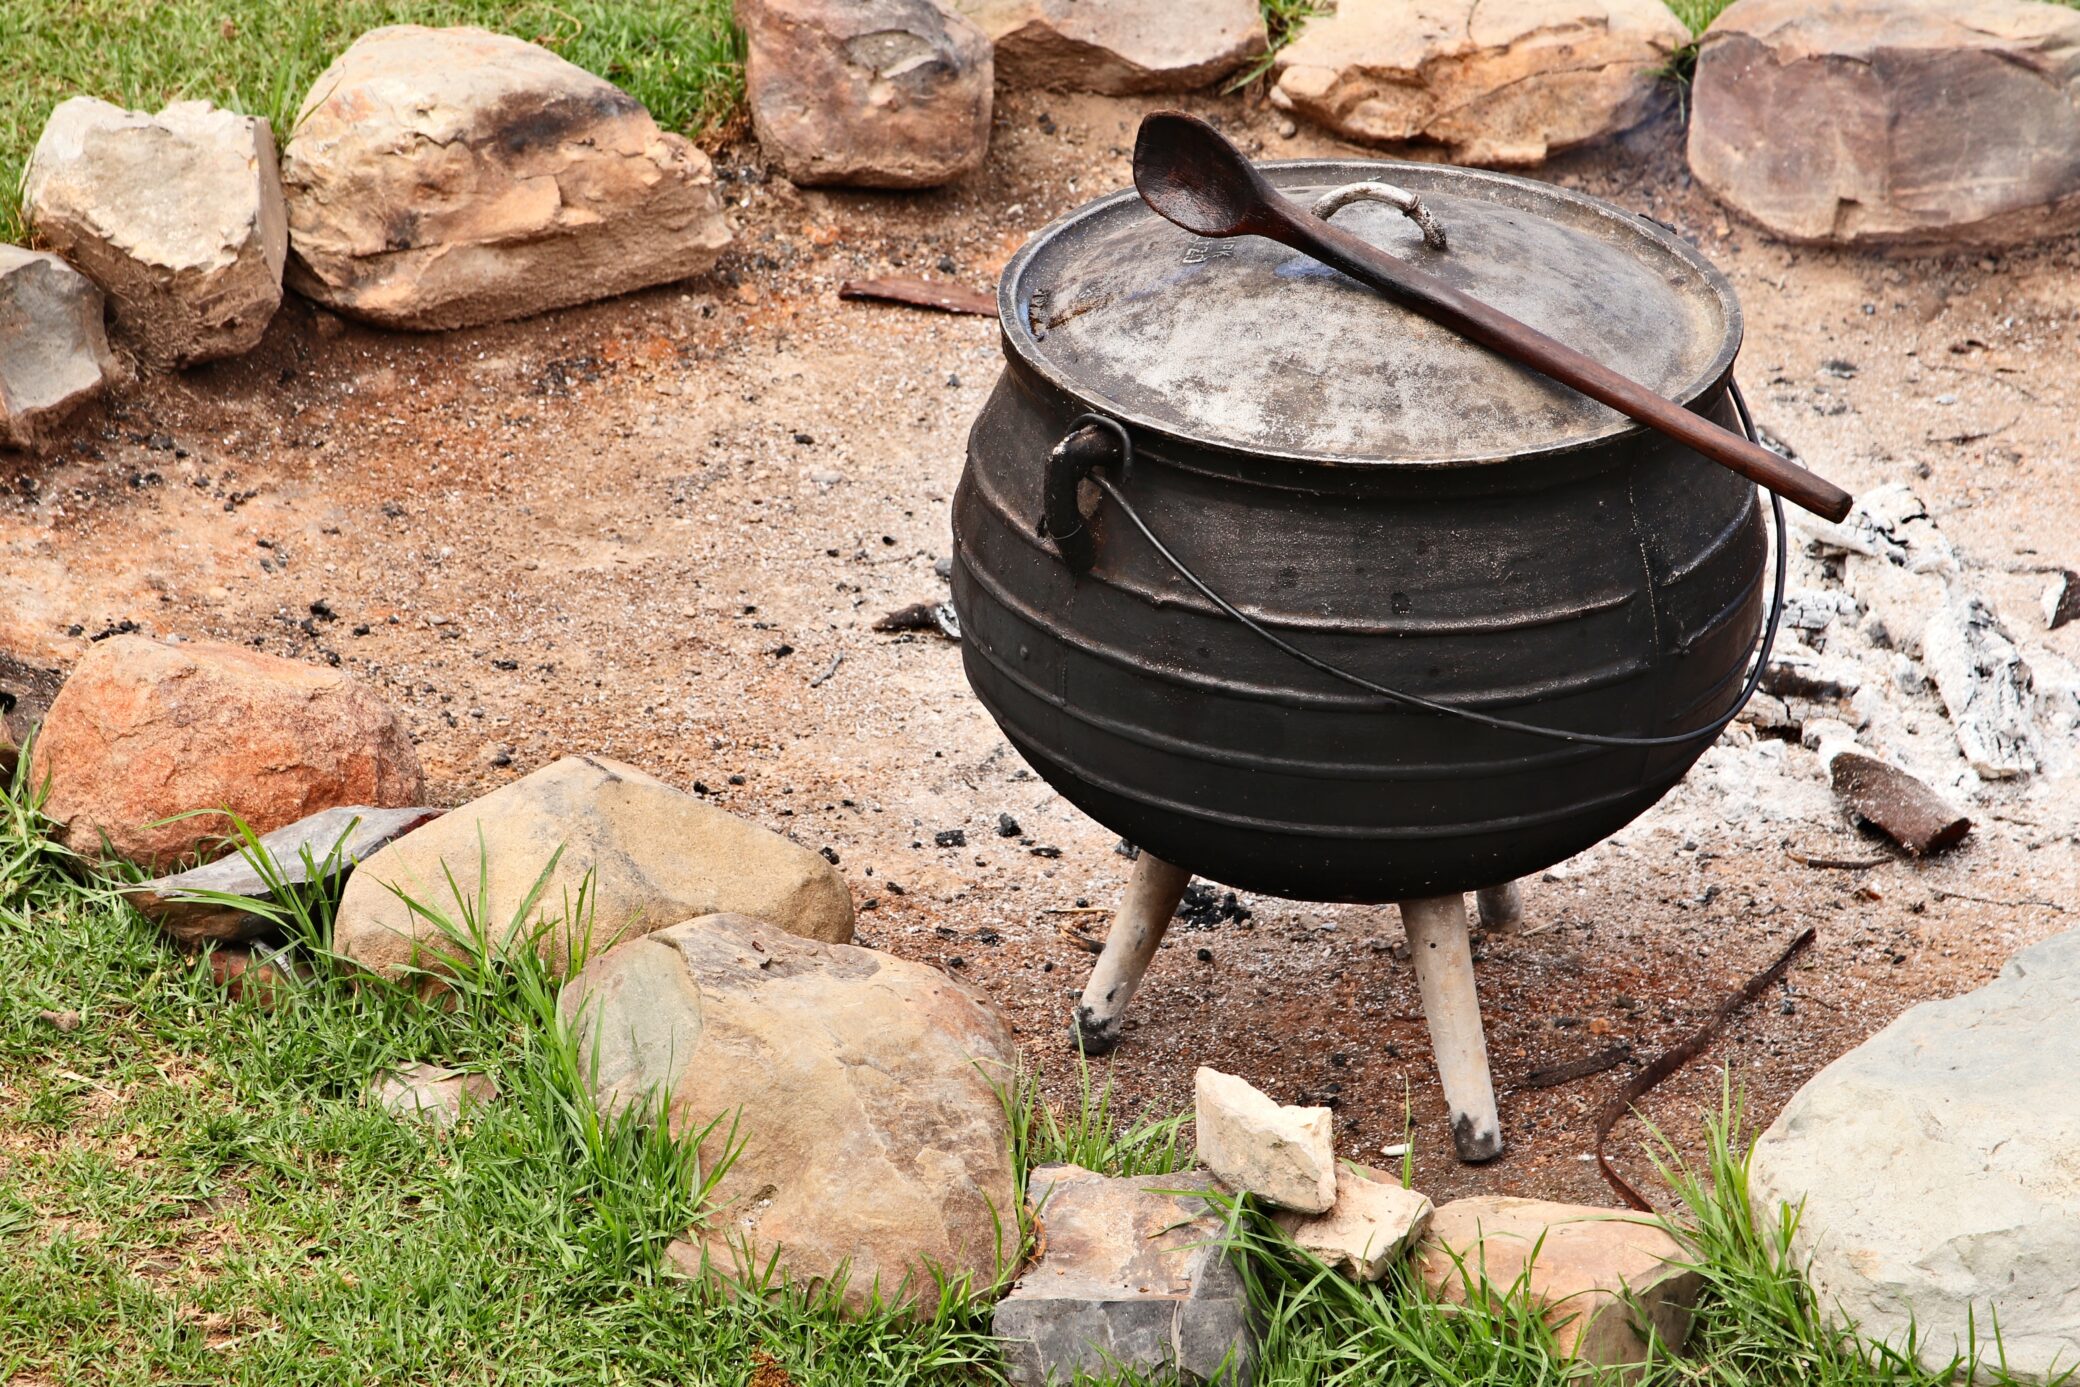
x=1301, y=496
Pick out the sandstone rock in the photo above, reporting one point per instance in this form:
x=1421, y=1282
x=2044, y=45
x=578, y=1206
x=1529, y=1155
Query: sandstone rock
x=1283, y=1155
x=341, y=837
x=1373, y=1222
x=177, y=216
x=1130, y=1279
x=1604, y=1279
x=143, y=731
x=1121, y=47
x=430, y=1094
x=439, y=178
x=1935, y=1166
x=861, y=1093
x=1838, y=123
x=655, y=854
x=867, y=93
x=1493, y=81
x=53, y=350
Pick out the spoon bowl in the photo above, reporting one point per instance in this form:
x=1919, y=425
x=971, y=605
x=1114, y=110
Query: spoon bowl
x=1191, y=175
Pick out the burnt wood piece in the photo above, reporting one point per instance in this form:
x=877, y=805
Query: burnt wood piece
x=1191, y=174
x=922, y=293
x=1896, y=803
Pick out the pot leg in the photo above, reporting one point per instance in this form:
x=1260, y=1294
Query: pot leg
x=1501, y=907
x=1437, y=942
x=1137, y=928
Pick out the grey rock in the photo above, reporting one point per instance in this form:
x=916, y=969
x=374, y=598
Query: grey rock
x=1839, y=123
x=53, y=349
x=1935, y=1167
x=442, y=178
x=350, y=833
x=177, y=216
x=867, y=93
x=2061, y=600
x=1131, y=1278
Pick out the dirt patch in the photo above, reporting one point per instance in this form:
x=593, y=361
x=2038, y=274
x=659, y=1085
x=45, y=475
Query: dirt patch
x=650, y=528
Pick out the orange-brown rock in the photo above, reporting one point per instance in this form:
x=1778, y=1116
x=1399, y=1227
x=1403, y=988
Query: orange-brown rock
x=867, y=93
x=144, y=731
x=1606, y=1280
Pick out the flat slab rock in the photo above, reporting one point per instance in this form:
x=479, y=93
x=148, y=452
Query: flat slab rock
x=1604, y=1279
x=1122, y=47
x=443, y=178
x=1501, y=82
x=177, y=216
x=1838, y=124
x=867, y=93
x=339, y=836
x=54, y=353
x=1935, y=1164
x=1130, y=1277
x=859, y=1093
x=1374, y=1222
x=650, y=855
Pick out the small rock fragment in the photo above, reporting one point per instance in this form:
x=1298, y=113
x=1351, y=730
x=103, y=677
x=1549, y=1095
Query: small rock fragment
x=867, y=93
x=1373, y=1222
x=178, y=217
x=1131, y=1278
x=431, y=1094
x=53, y=350
x=65, y=1021
x=1283, y=1155
x=1604, y=1279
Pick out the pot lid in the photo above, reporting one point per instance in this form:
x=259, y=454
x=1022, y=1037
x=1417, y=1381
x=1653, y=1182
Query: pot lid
x=1246, y=344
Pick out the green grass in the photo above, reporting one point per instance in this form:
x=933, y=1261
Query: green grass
x=192, y=1190
x=681, y=58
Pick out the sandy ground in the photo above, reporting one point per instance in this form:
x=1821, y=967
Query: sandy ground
x=651, y=527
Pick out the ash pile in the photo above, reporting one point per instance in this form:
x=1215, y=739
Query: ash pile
x=1890, y=655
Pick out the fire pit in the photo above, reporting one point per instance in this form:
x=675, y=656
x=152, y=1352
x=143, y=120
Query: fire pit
x=1298, y=590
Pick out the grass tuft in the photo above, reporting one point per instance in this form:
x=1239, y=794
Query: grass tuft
x=681, y=58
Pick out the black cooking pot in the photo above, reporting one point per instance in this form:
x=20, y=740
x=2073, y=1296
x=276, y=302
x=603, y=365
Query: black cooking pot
x=1378, y=494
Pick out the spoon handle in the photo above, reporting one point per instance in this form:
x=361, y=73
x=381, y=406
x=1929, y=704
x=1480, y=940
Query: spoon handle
x=1501, y=333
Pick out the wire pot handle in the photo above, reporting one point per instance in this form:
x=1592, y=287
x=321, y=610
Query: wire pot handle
x=1097, y=440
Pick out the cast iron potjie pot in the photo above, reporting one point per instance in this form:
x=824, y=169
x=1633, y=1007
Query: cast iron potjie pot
x=1386, y=496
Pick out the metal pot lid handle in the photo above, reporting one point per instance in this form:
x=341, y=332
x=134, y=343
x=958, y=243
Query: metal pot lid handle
x=1406, y=202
